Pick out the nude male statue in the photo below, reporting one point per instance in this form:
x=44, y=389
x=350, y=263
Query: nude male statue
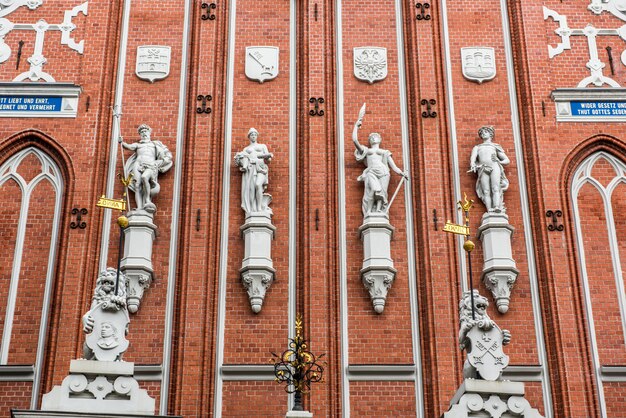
x=487, y=160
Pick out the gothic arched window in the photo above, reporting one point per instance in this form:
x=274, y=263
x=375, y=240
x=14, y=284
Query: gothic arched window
x=31, y=192
x=599, y=204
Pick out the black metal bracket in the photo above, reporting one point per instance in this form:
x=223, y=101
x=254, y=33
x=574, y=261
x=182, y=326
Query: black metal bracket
x=317, y=219
x=422, y=11
x=610, y=54
x=204, y=99
x=435, y=220
x=555, y=223
x=315, y=11
x=198, y=220
x=19, y=54
x=208, y=15
x=317, y=101
x=79, y=213
x=429, y=112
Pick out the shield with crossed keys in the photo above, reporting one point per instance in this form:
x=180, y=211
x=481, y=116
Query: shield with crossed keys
x=486, y=353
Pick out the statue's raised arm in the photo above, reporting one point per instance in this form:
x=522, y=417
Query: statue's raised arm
x=355, y=131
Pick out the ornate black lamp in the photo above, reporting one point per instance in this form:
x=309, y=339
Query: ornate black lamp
x=296, y=367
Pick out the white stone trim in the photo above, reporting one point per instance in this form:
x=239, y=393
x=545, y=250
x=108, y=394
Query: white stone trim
x=247, y=372
x=174, y=226
x=50, y=171
x=341, y=221
x=409, y=213
x=582, y=176
x=222, y=278
x=115, y=133
x=456, y=176
x=293, y=174
x=386, y=372
x=528, y=234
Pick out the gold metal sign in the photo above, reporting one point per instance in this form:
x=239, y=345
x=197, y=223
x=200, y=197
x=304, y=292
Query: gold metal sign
x=116, y=204
x=456, y=229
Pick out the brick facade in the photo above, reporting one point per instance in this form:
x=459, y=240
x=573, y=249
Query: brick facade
x=195, y=318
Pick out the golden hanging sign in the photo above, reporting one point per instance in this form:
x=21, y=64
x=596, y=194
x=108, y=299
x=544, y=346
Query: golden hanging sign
x=115, y=204
x=456, y=229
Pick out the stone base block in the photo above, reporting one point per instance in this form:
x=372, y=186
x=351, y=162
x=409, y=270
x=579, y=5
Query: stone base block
x=137, y=260
x=257, y=271
x=377, y=272
x=490, y=399
x=68, y=414
x=499, y=269
x=299, y=414
x=96, y=386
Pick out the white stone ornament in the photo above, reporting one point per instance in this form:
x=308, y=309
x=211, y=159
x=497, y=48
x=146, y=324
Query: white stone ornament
x=479, y=63
x=150, y=159
x=615, y=7
x=38, y=60
x=8, y=6
x=153, y=62
x=261, y=62
x=378, y=272
x=370, y=63
x=257, y=270
x=102, y=382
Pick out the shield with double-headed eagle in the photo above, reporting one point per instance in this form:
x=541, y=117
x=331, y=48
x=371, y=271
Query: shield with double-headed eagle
x=370, y=63
x=486, y=353
x=479, y=63
x=153, y=62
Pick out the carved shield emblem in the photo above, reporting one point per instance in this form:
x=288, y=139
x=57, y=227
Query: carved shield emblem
x=108, y=338
x=261, y=62
x=486, y=353
x=153, y=62
x=479, y=63
x=370, y=63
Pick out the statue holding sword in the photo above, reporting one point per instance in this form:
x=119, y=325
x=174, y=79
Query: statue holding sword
x=376, y=175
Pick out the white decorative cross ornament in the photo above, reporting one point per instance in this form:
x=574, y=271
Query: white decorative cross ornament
x=595, y=66
x=37, y=60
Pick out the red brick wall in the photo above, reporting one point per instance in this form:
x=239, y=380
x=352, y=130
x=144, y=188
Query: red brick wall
x=550, y=151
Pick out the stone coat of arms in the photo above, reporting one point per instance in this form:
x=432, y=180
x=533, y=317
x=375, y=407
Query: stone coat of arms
x=153, y=62
x=370, y=63
x=262, y=62
x=479, y=63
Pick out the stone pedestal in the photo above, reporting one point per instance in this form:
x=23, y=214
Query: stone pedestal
x=299, y=414
x=257, y=269
x=137, y=260
x=99, y=386
x=482, y=398
x=499, y=269
x=378, y=272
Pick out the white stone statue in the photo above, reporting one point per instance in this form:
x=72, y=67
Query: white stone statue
x=376, y=175
x=482, y=339
x=106, y=323
x=252, y=163
x=149, y=160
x=487, y=160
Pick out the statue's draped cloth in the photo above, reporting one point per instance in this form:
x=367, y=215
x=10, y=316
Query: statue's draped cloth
x=376, y=178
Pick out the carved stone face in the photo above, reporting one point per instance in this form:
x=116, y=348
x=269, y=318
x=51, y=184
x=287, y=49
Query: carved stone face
x=375, y=138
x=107, y=330
x=253, y=136
x=107, y=283
x=485, y=134
x=144, y=134
x=481, y=306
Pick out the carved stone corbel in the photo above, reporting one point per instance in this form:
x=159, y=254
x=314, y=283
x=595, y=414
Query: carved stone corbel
x=378, y=272
x=499, y=269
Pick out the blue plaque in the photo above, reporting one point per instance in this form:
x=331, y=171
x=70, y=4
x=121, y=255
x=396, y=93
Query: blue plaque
x=596, y=108
x=30, y=104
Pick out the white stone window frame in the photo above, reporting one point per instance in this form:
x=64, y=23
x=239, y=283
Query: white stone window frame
x=50, y=172
x=583, y=176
